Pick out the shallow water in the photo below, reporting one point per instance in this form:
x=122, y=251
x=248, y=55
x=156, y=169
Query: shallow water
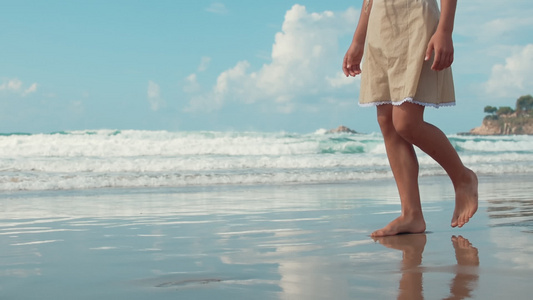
x=264, y=242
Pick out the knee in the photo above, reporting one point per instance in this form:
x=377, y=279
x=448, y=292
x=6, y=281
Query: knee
x=385, y=123
x=406, y=127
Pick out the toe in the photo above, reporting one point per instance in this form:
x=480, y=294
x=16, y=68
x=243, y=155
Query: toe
x=455, y=221
x=377, y=233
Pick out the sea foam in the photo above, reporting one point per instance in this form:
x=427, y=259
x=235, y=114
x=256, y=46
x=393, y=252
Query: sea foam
x=130, y=158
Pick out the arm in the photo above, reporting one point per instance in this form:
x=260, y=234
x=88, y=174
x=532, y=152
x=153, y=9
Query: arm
x=351, y=65
x=441, y=42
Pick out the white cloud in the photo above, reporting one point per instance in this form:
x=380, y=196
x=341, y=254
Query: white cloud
x=235, y=81
x=191, y=82
x=490, y=21
x=204, y=63
x=153, y=89
x=13, y=85
x=191, y=85
x=489, y=39
x=497, y=28
x=217, y=8
x=305, y=61
x=340, y=80
x=230, y=83
x=514, y=78
x=154, y=97
x=30, y=90
x=16, y=86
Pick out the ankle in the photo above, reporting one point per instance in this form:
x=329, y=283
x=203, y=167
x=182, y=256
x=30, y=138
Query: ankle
x=413, y=214
x=462, y=179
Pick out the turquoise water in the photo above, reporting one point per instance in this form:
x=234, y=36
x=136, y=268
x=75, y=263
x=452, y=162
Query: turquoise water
x=146, y=159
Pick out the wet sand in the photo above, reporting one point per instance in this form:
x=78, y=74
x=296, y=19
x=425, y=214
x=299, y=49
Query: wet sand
x=265, y=242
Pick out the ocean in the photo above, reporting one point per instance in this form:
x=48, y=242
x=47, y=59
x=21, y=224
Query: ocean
x=75, y=160
x=110, y=214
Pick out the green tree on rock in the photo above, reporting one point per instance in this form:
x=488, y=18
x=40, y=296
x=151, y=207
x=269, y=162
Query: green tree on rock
x=524, y=104
x=524, y=108
x=490, y=109
x=504, y=110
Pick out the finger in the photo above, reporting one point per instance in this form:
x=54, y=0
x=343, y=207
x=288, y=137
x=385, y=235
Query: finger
x=446, y=62
x=345, y=70
x=437, y=61
x=429, y=50
x=450, y=60
x=352, y=71
x=348, y=71
x=348, y=67
x=357, y=69
x=345, y=67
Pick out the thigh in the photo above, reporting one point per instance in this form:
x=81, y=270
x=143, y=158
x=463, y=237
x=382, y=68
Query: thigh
x=384, y=115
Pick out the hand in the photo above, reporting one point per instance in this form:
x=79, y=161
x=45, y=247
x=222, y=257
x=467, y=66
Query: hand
x=351, y=65
x=442, y=44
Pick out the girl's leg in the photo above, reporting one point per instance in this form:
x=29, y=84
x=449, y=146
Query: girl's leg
x=404, y=165
x=408, y=120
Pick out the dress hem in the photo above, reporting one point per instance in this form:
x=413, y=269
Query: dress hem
x=408, y=99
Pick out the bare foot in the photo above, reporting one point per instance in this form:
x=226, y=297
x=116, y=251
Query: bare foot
x=466, y=199
x=402, y=224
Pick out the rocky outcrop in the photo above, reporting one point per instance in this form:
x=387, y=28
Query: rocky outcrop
x=505, y=125
x=341, y=129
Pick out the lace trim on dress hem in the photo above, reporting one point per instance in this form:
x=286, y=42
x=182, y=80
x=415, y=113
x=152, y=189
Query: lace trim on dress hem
x=408, y=99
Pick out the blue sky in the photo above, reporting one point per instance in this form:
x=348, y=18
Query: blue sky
x=229, y=65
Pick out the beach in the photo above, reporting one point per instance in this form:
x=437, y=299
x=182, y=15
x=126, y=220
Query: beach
x=216, y=150
x=268, y=241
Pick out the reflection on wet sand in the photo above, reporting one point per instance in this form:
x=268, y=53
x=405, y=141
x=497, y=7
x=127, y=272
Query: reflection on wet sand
x=466, y=274
x=511, y=211
x=510, y=203
x=411, y=282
